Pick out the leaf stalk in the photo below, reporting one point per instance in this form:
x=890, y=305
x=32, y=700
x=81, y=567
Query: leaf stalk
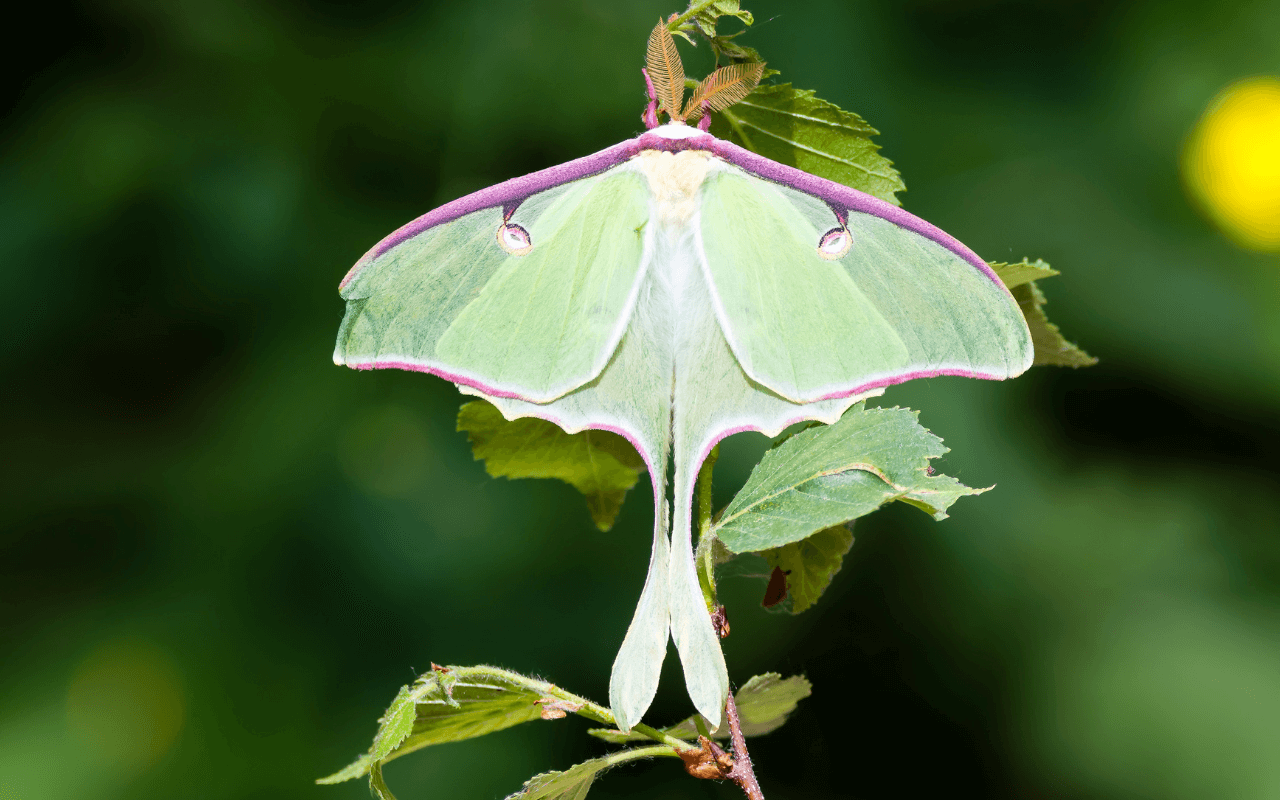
x=637, y=753
x=705, y=556
x=598, y=713
x=691, y=12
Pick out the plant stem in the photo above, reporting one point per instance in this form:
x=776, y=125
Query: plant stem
x=587, y=708
x=690, y=13
x=704, y=557
x=704, y=491
x=597, y=712
x=742, y=773
x=623, y=756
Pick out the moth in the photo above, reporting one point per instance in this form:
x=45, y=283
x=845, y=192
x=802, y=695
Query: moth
x=675, y=289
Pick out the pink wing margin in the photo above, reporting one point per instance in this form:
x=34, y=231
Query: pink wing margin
x=511, y=193
x=508, y=194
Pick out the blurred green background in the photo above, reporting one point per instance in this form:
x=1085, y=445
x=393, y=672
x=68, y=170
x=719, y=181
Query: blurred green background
x=221, y=555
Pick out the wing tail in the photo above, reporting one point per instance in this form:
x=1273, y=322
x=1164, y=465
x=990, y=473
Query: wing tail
x=634, y=680
x=705, y=675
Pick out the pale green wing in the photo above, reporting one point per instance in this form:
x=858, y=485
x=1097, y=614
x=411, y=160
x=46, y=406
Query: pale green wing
x=810, y=322
x=532, y=305
x=632, y=397
x=712, y=398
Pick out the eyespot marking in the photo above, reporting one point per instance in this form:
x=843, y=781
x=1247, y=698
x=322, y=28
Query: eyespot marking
x=835, y=243
x=514, y=239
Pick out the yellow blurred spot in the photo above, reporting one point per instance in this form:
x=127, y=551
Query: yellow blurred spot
x=1232, y=162
x=125, y=705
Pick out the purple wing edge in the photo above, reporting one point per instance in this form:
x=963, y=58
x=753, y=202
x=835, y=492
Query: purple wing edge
x=509, y=193
x=845, y=197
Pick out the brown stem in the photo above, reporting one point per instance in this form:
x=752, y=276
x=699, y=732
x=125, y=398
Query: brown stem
x=741, y=773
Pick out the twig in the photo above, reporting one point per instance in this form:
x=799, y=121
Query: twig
x=635, y=753
x=741, y=773
x=693, y=11
x=583, y=706
x=704, y=556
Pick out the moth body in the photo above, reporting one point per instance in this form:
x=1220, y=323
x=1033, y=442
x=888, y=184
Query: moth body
x=677, y=130
x=675, y=182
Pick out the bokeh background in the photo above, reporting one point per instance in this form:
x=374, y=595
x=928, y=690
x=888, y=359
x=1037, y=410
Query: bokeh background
x=221, y=555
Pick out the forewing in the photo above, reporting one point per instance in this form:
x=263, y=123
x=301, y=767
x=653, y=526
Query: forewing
x=895, y=305
x=532, y=322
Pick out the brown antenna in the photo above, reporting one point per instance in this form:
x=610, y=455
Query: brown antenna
x=666, y=71
x=723, y=88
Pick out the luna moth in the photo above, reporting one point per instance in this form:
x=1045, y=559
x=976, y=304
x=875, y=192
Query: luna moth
x=675, y=289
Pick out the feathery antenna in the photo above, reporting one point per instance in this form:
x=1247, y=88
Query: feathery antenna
x=723, y=88
x=666, y=71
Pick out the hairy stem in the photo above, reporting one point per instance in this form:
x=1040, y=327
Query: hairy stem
x=742, y=773
x=587, y=708
x=705, y=555
x=704, y=491
x=597, y=712
x=636, y=753
x=690, y=13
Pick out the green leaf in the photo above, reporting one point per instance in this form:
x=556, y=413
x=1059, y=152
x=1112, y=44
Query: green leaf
x=827, y=475
x=810, y=564
x=738, y=53
x=764, y=703
x=686, y=36
x=793, y=127
x=397, y=723
x=448, y=704
x=484, y=700
x=702, y=16
x=601, y=465
x=573, y=783
x=1022, y=272
x=356, y=769
x=701, y=19
x=1051, y=347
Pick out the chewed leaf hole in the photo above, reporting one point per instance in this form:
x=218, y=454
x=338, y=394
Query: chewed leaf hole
x=835, y=243
x=514, y=239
